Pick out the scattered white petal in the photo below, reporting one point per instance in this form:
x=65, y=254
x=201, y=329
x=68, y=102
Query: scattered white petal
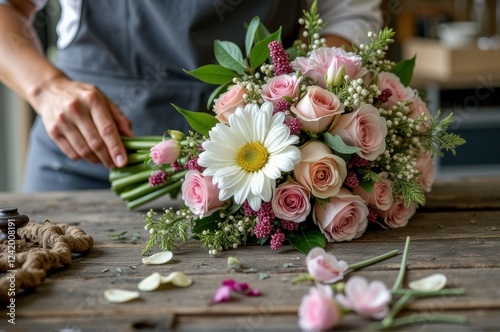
x=120, y=295
x=150, y=283
x=178, y=279
x=158, y=258
x=434, y=282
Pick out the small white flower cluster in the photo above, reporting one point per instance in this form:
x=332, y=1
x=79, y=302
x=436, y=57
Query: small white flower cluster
x=374, y=55
x=359, y=94
x=253, y=86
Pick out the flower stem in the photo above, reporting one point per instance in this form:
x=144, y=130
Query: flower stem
x=117, y=173
x=153, y=195
x=402, y=268
x=409, y=320
x=141, y=138
x=134, y=158
x=302, y=278
x=140, y=145
x=373, y=260
x=398, y=306
x=119, y=184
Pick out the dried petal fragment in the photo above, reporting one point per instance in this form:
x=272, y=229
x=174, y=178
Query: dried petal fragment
x=120, y=295
x=433, y=282
x=178, y=279
x=158, y=258
x=150, y=283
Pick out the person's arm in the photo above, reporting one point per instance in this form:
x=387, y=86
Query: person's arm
x=80, y=119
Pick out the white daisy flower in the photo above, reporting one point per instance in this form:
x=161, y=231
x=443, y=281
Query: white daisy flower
x=247, y=156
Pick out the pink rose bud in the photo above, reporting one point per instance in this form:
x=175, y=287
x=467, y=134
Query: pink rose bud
x=367, y=299
x=279, y=87
x=386, y=80
x=381, y=197
x=165, y=152
x=398, y=215
x=200, y=195
x=325, y=267
x=318, y=310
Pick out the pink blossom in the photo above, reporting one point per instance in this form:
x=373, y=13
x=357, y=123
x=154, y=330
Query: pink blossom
x=228, y=102
x=319, y=170
x=279, y=87
x=317, y=109
x=165, y=152
x=425, y=166
x=291, y=202
x=200, y=194
x=228, y=286
x=325, y=267
x=367, y=299
x=365, y=129
x=418, y=108
x=398, y=215
x=381, y=197
x=400, y=93
x=318, y=310
x=316, y=65
x=344, y=217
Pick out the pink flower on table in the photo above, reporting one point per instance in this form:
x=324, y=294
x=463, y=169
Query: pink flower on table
x=200, y=195
x=279, y=87
x=316, y=65
x=325, y=267
x=228, y=102
x=319, y=170
x=291, y=202
x=318, y=310
x=363, y=128
x=344, y=217
x=400, y=93
x=228, y=286
x=381, y=197
x=165, y=152
x=367, y=299
x=425, y=166
x=398, y=215
x=317, y=109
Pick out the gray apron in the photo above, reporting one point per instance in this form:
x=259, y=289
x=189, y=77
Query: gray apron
x=135, y=52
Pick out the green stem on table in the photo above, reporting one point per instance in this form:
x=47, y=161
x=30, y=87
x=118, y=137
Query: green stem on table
x=373, y=260
x=117, y=173
x=134, y=158
x=420, y=319
x=153, y=195
x=396, y=308
x=451, y=291
x=121, y=183
x=402, y=268
x=302, y=278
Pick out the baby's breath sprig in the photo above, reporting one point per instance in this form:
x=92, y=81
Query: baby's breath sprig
x=313, y=24
x=168, y=229
x=373, y=54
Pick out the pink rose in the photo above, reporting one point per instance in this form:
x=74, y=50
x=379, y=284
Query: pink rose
x=398, y=215
x=319, y=170
x=343, y=218
x=291, y=202
x=318, y=311
x=390, y=81
x=228, y=102
x=279, y=87
x=365, y=129
x=317, y=109
x=417, y=108
x=367, y=299
x=200, y=195
x=317, y=64
x=324, y=267
x=165, y=152
x=381, y=197
x=425, y=166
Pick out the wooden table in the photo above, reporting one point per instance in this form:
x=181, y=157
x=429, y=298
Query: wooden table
x=457, y=233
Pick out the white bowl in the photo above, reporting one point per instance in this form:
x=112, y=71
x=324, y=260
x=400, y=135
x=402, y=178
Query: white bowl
x=457, y=34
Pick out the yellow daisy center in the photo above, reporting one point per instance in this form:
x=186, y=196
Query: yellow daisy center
x=252, y=156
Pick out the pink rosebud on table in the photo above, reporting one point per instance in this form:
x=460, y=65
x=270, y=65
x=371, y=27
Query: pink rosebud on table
x=325, y=267
x=318, y=310
x=165, y=152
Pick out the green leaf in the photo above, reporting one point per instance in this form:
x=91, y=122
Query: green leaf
x=199, y=121
x=206, y=224
x=261, y=33
x=250, y=35
x=260, y=52
x=229, y=55
x=218, y=91
x=213, y=74
x=337, y=144
x=305, y=240
x=404, y=70
x=368, y=186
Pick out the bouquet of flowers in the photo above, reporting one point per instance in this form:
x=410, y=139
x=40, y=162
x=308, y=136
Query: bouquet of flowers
x=308, y=145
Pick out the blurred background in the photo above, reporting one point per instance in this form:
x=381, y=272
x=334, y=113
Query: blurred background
x=457, y=43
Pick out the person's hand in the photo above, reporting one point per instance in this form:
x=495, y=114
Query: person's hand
x=83, y=122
